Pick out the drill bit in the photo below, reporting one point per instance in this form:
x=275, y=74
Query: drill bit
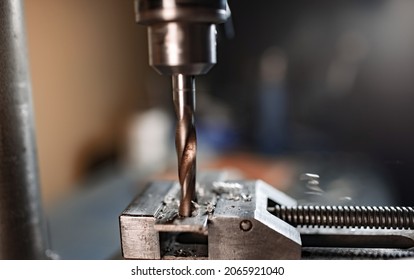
x=185, y=139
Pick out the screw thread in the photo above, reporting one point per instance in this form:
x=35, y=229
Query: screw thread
x=386, y=217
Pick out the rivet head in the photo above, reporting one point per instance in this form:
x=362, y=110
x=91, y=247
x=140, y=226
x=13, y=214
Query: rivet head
x=246, y=225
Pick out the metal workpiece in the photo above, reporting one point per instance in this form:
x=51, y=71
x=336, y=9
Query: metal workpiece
x=139, y=238
x=230, y=221
x=22, y=227
x=185, y=139
x=181, y=34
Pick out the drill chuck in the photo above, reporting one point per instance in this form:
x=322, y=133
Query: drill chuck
x=181, y=33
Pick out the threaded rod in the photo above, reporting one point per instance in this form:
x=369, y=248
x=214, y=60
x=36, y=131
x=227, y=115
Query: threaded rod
x=385, y=217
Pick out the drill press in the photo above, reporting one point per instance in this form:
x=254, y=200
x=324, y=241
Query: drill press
x=234, y=219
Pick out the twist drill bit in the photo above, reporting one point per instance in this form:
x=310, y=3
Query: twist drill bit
x=185, y=139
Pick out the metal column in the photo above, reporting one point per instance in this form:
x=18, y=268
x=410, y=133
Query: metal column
x=22, y=229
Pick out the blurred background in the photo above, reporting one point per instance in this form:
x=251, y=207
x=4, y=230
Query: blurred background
x=323, y=87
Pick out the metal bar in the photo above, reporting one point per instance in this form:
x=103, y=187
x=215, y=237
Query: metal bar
x=22, y=229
